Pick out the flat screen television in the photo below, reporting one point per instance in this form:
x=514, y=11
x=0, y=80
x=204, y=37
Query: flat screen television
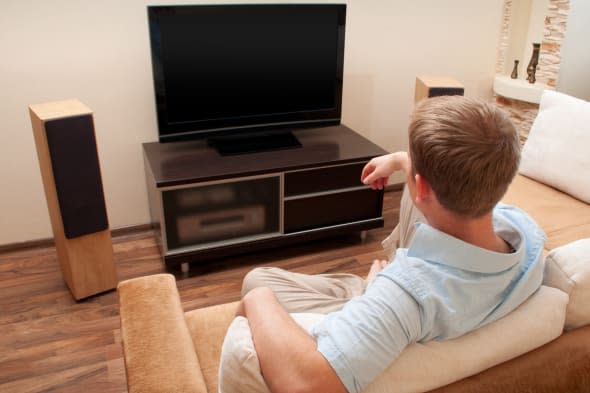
x=245, y=75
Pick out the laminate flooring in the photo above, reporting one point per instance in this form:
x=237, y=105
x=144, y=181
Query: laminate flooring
x=51, y=343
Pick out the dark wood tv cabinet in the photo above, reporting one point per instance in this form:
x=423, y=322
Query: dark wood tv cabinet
x=208, y=206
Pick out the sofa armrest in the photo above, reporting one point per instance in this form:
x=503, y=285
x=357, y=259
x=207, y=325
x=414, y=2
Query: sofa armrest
x=159, y=352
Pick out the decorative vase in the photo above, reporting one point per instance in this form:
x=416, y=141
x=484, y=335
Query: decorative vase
x=532, y=67
x=514, y=74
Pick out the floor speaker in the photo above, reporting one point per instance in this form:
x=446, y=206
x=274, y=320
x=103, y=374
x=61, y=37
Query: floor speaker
x=70, y=169
x=433, y=86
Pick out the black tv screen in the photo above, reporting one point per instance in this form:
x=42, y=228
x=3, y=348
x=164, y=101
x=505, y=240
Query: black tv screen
x=221, y=69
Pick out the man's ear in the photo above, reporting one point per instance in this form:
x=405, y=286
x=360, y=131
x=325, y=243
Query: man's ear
x=423, y=190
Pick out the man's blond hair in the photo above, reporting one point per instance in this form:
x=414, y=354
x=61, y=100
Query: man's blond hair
x=467, y=149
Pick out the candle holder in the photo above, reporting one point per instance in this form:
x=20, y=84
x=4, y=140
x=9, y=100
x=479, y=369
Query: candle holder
x=532, y=67
x=514, y=74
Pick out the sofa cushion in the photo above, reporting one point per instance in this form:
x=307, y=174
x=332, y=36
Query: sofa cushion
x=563, y=218
x=560, y=366
x=421, y=366
x=556, y=151
x=207, y=327
x=568, y=268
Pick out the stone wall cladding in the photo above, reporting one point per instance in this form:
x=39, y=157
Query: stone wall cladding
x=522, y=115
x=504, y=35
x=550, y=54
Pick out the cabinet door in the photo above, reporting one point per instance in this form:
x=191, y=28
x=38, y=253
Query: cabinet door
x=222, y=213
x=323, y=179
x=329, y=209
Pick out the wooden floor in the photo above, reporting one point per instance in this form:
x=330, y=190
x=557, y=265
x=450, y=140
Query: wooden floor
x=50, y=343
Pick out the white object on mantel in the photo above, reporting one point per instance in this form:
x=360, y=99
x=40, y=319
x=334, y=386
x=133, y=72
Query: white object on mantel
x=518, y=89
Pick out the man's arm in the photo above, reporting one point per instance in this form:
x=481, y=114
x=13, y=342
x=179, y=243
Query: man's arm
x=377, y=171
x=287, y=354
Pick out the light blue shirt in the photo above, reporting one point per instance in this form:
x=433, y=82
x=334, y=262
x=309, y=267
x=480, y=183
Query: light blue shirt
x=438, y=288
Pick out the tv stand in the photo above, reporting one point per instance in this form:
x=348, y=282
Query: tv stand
x=254, y=142
x=208, y=206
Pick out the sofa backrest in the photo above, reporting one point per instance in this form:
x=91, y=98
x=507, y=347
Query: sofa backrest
x=563, y=217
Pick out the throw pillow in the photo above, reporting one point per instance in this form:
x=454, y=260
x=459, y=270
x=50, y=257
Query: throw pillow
x=556, y=151
x=568, y=268
x=239, y=370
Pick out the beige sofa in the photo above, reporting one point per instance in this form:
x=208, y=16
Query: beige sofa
x=168, y=350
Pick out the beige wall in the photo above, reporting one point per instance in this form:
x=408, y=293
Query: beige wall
x=97, y=51
x=574, y=78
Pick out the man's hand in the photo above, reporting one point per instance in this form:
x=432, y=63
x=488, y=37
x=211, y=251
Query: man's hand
x=376, y=267
x=377, y=171
x=288, y=357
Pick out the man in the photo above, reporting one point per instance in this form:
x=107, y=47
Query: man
x=471, y=260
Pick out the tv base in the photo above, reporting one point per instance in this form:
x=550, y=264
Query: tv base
x=252, y=143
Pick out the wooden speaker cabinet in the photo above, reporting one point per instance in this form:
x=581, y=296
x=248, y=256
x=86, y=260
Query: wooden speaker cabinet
x=68, y=159
x=433, y=86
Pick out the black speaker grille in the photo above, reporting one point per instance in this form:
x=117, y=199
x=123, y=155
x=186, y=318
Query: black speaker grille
x=74, y=159
x=445, y=91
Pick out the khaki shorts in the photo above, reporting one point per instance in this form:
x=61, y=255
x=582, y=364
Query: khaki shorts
x=324, y=293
